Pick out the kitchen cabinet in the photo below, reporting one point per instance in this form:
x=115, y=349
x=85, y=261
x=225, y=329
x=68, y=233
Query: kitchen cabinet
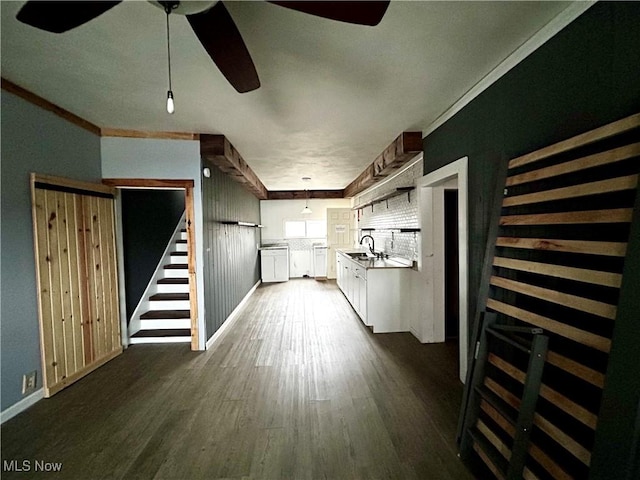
x=319, y=261
x=274, y=263
x=380, y=296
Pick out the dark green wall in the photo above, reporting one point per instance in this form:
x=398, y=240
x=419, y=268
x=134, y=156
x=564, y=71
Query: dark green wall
x=230, y=251
x=586, y=76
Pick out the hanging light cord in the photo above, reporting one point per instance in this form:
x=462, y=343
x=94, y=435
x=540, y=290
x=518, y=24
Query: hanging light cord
x=167, y=9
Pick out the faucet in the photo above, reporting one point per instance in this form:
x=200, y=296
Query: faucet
x=372, y=244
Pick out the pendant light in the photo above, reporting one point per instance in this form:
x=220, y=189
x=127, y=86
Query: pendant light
x=306, y=210
x=168, y=7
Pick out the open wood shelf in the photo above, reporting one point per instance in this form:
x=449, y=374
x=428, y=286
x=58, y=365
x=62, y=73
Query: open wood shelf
x=241, y=224
x=390, y=229
x=386, y=196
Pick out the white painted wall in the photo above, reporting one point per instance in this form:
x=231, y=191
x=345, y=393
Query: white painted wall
x=273, y=213
x=162, y=159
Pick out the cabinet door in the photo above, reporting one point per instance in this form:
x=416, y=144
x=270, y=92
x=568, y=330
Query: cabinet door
x=346, y=279
x=362, y=302
x=339, y=271
x=355, y=289
x=268, y=266
x=281, y=267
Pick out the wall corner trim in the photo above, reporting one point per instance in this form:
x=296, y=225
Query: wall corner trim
x=21, y=405
x=560, y=21
x=231, y=318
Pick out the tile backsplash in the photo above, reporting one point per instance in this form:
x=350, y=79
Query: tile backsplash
x=396, y=212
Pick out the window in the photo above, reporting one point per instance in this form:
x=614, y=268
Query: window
x=305, y=229
x=316, y=228
x=294, y=228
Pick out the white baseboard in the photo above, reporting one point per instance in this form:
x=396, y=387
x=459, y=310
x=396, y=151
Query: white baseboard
x=22, y=405
x=231, y=318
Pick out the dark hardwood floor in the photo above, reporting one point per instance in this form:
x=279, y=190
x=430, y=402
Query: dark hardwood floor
x=297, y=388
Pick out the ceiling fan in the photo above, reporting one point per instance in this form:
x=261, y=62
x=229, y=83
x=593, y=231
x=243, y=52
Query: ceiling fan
x=210, y=21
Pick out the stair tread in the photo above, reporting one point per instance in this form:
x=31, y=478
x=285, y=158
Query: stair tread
x=165, y=314
x=181, y=241
x=169, y=332
x=176, y=266
x=173, y=281
x=181, y=254
x=170, y=296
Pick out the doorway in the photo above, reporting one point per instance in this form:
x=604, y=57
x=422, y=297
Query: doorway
x=157, y=184
x=451, y=273
x=444, y=274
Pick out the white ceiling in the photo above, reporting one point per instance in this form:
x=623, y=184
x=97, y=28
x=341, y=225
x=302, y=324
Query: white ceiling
x=333, y=95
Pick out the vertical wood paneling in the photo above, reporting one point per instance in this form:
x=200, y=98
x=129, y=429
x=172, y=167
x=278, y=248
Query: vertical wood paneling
x=74, y=242
x=105, y=271
x=44, y=280
x=84, y=260
x=231, y=262
x=94, y=279
x=65, y=283
x=53, y=221
x=74, y=319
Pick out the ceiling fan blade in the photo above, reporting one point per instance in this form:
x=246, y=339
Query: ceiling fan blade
x=359, y=12
x=221, y=39
x=58, y=17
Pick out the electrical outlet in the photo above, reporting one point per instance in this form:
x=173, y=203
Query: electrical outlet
x=29, y=382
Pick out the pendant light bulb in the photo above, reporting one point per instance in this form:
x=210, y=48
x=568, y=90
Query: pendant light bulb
x=170, y=105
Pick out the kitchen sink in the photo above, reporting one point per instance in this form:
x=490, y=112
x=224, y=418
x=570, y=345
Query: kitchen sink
x=359, y=256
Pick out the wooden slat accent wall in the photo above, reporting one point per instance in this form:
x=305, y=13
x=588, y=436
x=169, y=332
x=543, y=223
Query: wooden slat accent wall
x=74, y=241
x=558, y=263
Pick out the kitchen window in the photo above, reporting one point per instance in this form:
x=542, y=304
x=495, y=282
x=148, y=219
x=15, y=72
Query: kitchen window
x=305, y=229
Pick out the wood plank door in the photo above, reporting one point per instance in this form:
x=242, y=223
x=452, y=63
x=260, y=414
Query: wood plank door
x=340, y=225
x=76, y=271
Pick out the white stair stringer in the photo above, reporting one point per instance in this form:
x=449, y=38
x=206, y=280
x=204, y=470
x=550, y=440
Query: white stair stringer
x=163, y=313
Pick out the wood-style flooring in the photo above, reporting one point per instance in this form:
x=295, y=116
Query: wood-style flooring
x=296, y=388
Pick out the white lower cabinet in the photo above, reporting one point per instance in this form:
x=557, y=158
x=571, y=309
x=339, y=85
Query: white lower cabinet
x=274, y=265
x=378, y=295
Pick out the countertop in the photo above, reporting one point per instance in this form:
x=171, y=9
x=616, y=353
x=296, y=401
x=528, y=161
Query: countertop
x=371, y=263
x=276, y=246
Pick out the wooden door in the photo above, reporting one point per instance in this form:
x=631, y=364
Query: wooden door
x=76, y=271
x=340, y=223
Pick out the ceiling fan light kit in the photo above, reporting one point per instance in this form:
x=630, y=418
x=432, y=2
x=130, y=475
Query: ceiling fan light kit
x=306, y=210
x=168, y=8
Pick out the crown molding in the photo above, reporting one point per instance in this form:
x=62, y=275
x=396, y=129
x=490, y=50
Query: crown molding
x=50, y=107
x=123, y=133
x=38, y=101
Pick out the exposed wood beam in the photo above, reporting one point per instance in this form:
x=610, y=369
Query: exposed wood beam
x=147, y=183
x=117, y=132
x=47, y=105
x=398, y=153
x=218, y=151
x=304, y=194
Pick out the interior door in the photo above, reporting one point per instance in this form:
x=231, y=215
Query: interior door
x=76, y=269
x=340, y=229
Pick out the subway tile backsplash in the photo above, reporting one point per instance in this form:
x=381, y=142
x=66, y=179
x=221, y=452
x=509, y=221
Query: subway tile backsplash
x=396, y=212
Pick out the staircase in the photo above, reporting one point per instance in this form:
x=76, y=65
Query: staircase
x=163, y=315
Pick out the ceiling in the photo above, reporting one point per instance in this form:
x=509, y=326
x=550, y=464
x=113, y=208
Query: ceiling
x=333, y=95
